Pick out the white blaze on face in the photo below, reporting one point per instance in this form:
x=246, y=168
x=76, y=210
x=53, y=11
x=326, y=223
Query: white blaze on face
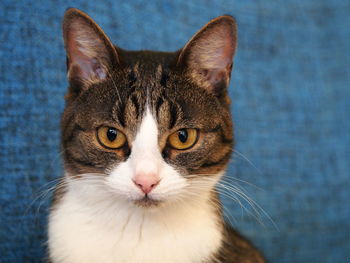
x=146, y=167
x=146, y=159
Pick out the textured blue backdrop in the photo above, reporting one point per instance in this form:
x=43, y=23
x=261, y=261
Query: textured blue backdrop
x=290, y=91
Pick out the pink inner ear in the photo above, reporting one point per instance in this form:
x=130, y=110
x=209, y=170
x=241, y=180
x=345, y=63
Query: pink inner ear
x=214, y=50
x=82, y=49
x=222, y=65
x=210, y=53
x=214, y=76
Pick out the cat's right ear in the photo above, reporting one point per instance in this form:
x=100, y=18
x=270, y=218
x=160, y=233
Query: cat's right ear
x=90, y=53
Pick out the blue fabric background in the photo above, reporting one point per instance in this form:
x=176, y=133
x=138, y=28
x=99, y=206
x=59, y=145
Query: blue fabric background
x=290, y=91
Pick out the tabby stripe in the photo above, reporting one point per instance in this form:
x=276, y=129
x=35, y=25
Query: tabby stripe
x=121, y=115
x=223, y=159
x=68, y=128
x=224, y=140
x=164, y=79
x=173, y=115
x=132, y=78
x=215, y=129
x=78, y=127
x=218, y=129
x=159, y=103
x=81, y=162
x=136, y=104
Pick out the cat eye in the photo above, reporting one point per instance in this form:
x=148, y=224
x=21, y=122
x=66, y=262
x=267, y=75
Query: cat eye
x=183, y=139
x=110, y=137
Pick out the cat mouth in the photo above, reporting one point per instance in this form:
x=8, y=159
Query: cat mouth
x=146, y=202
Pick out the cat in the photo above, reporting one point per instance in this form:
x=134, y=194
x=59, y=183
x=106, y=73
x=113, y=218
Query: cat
x=145, y=137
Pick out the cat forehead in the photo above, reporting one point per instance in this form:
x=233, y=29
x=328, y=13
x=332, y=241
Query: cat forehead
x=148, y=78
x=145, y=70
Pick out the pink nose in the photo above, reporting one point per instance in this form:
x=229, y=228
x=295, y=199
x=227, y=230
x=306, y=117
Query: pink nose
x=146, y=182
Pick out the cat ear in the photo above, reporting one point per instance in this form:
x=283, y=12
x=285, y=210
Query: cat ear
x=208, y=55
x=90, y=53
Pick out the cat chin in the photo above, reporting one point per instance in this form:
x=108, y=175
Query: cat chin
x=154, y=204
x=148, y=203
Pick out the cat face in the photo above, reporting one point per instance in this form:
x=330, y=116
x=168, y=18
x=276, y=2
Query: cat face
x=153, y=127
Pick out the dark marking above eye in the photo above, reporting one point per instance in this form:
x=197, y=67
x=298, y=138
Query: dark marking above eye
x=135, y=101
x=173, y=115
x=121, y=115
x=159, y=103
x=164, y=78
x=132, y=78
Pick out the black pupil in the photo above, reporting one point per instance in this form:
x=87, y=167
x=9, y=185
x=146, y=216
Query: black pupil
x=111, y=134
x=183, y=136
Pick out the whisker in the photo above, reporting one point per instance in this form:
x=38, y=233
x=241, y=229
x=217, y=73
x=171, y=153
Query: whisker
x=234, y=191
x=246, y=159
x=45, y=190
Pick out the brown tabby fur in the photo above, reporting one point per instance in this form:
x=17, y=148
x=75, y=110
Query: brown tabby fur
x=184, y=89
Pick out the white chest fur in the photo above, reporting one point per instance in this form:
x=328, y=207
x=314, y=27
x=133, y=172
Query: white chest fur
x=96, y=230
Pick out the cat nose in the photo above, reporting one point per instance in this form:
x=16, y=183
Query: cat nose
x=146, y=181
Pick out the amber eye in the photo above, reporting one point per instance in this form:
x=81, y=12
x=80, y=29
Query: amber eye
x=183, y=139
x=110, y=137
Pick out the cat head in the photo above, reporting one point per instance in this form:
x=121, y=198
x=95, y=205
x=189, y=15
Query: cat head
x=151, y=127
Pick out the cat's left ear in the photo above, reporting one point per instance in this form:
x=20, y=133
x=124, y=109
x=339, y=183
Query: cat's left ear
x=90, y=53
x=208, y=56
